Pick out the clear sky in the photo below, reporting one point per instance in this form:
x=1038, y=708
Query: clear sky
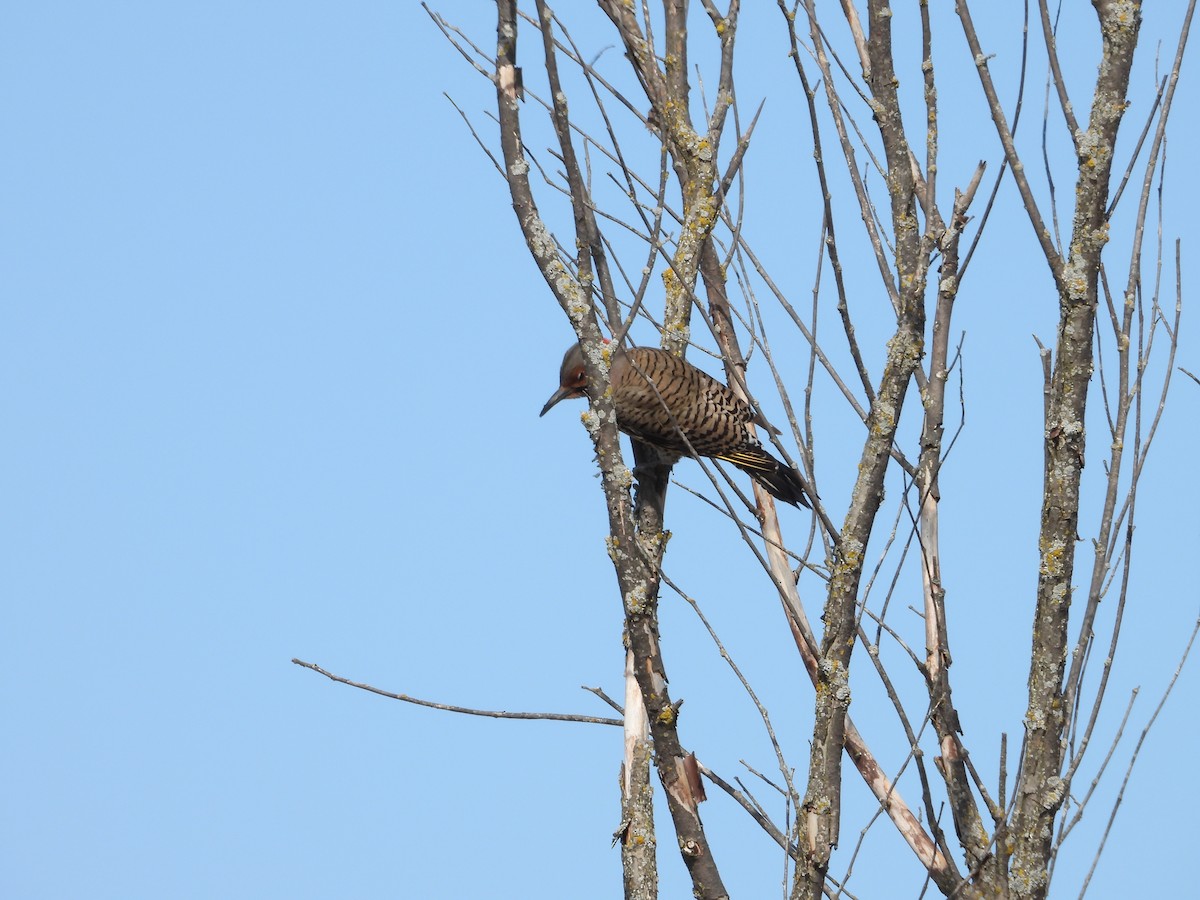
x=272, y=353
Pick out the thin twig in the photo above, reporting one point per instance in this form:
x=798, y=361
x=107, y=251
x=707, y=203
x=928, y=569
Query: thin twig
x=447, y=707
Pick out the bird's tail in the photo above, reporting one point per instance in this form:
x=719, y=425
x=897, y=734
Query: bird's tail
x=781, y=480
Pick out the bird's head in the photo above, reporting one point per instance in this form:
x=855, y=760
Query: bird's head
x=572, y=379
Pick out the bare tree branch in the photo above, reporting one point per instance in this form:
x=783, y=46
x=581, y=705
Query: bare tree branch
x=465, y=710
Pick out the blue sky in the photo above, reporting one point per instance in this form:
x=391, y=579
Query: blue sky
x=272, y=355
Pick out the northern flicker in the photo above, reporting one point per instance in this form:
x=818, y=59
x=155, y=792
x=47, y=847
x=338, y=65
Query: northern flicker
x=667, y=402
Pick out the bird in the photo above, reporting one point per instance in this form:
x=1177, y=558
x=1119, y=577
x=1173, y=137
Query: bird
x=665, y=401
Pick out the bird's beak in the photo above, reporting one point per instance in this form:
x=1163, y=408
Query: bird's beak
x=561, y=394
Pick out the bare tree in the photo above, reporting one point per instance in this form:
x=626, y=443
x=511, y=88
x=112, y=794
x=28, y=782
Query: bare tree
x=644, y=183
